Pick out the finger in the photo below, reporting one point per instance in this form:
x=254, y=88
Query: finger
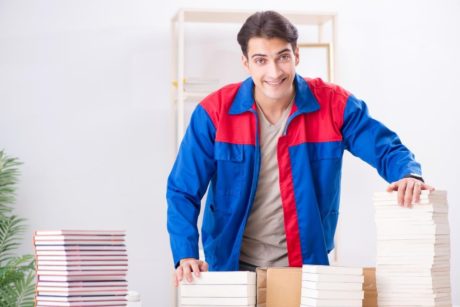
x=391, y=187
x=187, y=272
x=401, y=191
x=417, y=190
x=176, y=281
x=196, y=268
x=408, y=194
x=204, y=266
x=179, y=274
x=427, y=187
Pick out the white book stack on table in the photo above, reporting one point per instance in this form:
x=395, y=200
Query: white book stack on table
x=80, y=268
x=215, y=289
x=332, y=286
x=413, y=251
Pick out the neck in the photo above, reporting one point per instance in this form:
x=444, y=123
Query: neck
x=273, y=108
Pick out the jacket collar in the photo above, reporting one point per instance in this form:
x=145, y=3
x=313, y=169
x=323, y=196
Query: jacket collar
x=304, y=98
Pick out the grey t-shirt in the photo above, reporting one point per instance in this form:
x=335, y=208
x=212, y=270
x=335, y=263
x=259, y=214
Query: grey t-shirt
x=264, y=239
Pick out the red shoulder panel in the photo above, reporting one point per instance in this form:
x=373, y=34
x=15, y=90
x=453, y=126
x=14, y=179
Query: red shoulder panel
x=235, y=129
x=325, y=124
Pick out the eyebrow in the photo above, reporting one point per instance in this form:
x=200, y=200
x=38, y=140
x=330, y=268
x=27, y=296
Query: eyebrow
x=264, y=55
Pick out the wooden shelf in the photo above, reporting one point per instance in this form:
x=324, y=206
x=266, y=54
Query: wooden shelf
x=239, y=16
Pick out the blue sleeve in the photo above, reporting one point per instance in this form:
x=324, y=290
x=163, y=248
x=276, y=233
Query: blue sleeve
x=187, y=183
x=371, y=141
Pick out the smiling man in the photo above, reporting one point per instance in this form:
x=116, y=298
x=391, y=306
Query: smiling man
x=270, y=149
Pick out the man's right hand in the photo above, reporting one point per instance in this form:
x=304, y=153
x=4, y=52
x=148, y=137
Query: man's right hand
x=186, y=267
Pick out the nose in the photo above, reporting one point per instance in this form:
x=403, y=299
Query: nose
x=274, y=71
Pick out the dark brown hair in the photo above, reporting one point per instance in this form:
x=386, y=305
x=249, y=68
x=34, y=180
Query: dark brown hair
x=268, y=24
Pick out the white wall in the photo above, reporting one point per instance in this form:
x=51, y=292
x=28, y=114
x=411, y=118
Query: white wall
x=84, y=103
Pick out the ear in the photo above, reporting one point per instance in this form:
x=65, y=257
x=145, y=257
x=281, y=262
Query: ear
x=245, y=62
x=296, y=56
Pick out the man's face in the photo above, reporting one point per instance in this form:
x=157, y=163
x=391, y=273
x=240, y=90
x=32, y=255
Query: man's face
x=271, y=64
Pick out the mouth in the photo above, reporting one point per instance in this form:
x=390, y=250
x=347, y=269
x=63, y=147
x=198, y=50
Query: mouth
x=276, y=83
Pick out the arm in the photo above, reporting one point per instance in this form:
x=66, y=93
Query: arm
x=187, y=183
x=370, y=140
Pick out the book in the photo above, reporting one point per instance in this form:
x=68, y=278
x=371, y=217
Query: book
x=253, y=305
x=412, y=268
x=82, y=267
x=388, y=220
x=327, y=269
x=88, y=237
x=212, y=301
x=87, y=293
x=80, y=304
x=333, y=294
x=81, y=253
x=82, y=284
x=81, y=273
x=217, y=290
x=79, y=242
x=411, y=236
x=312, y=302
x=332, y=277
x=81, y=263
x=405, y=296
x=350, y=286
x=442, y=229
x=80, y=248
x=83, y=258
x=417, y=280
x=106, y=298
x=393, y=196
x=415, y=273
x=421, y=260
x=79, y=232
x=224, y=278
x=67, y=278
x=414, y=301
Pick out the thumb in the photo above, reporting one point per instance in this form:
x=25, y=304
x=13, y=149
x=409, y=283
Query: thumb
x=203, y=267
x=391, y=187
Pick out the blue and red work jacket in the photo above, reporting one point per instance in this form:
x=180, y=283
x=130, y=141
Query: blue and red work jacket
x=221, y=149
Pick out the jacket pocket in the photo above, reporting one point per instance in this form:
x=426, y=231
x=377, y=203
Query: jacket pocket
x=325, y=151
x=228, y=152
x=230, y=168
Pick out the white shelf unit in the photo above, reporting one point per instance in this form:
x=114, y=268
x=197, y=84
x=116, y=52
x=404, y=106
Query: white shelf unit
x=183, y=17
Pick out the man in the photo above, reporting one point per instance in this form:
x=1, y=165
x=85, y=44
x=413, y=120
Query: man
x=271, y=148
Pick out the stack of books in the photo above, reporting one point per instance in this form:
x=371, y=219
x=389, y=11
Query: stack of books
x=80, y=268
x=413, y=250
x=332, y=286
x=219, y=289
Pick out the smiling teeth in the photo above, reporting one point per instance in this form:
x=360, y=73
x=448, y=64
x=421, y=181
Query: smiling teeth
x=275, y=83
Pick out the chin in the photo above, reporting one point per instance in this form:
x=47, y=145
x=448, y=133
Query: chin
x=276, y=95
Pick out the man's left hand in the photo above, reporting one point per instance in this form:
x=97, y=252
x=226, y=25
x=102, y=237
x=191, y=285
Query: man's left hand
x=408, y=190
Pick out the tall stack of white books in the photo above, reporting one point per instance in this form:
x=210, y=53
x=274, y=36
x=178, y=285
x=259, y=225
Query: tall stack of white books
x=219, y=289
x=332, y=286
x=413, y=251
x=80, y=268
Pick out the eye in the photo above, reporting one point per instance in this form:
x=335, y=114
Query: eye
x=260, y=61
x=285, y=57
